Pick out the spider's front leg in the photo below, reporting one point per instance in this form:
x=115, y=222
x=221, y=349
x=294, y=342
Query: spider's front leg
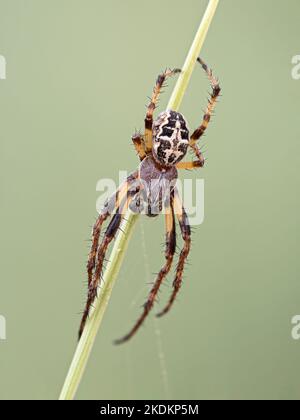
x=169, y=254
x=107, y=210
x=120, y=201
x=186, y=235
x=152, y=105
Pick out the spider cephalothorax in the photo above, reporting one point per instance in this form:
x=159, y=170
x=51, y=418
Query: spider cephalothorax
x=156, y=187
x=152, y=188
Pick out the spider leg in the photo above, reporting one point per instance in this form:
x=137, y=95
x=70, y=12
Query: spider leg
x=207, y=115
x=189, y=165
x=139, y=144
x=169, y=254
x=109, y=207
x=110, y=233
x=152, y=105
x=194, y=164
x=186, y=235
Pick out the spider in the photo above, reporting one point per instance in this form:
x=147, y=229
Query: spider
x=160, y=150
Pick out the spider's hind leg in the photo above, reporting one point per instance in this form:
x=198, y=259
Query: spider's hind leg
x=152, y=105
x=194, y=164
x=139, y=145
x=207, y=115
x=211, y=104
x=186, y=235
x=169, y=254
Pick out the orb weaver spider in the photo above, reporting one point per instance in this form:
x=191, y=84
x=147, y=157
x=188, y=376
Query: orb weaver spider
x=161, y=150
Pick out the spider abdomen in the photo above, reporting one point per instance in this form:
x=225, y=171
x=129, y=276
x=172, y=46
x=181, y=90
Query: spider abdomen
x=170, y=138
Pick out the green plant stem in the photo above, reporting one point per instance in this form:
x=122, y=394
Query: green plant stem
x=190, y=61
x=90, y=331
x=86, y=342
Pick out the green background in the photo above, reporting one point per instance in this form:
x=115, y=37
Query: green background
x=78, y=77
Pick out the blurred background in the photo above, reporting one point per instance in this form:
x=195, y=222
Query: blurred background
x=77, y=79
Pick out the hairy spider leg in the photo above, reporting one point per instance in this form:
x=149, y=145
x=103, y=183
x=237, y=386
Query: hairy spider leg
x=107, y=210
x=152, y=105
x=138, y=142
x=206, y=118
x=169, y=254
x=189, y=165
x=109, y=235
x=186, y=235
